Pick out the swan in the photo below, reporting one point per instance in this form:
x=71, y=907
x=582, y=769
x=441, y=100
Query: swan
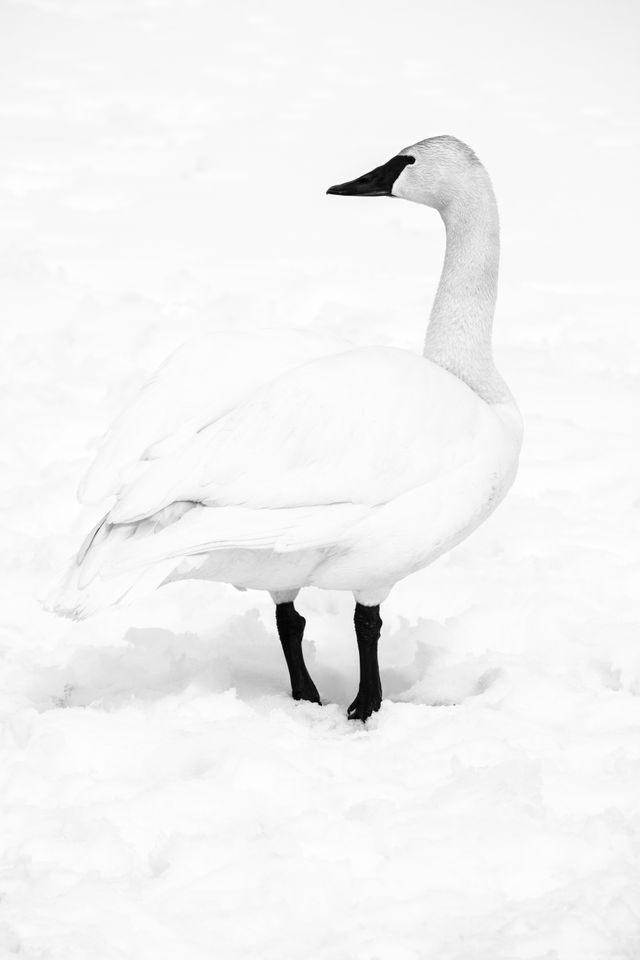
x=277, y=463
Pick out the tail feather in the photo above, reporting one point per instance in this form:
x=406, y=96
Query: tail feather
x=119, y=560
x=91, y=582
x=71, y=600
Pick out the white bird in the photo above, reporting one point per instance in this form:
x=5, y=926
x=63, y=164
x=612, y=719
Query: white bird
x=277, y=463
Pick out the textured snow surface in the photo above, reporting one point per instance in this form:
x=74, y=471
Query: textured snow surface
x=162, y=174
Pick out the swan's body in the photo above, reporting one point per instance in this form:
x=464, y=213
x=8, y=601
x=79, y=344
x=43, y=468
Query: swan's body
x=277, y=464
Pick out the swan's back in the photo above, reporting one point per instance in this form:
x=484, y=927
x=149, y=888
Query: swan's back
x=199, y=383
x=362, y=427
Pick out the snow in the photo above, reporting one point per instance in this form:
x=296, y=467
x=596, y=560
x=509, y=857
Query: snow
x=162, y=174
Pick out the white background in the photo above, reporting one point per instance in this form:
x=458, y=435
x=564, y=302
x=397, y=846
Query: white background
x=162, y=173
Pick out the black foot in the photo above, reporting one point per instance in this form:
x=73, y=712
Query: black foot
x=363, y=706
x=368, y=625
x=291, y=630
x=306, y=690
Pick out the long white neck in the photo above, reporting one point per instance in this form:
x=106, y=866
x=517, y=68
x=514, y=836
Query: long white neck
x=459, y=332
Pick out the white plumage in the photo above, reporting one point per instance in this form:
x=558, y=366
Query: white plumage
x=277, y=461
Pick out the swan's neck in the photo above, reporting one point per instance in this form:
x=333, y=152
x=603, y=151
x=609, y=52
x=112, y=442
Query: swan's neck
x=459, y=332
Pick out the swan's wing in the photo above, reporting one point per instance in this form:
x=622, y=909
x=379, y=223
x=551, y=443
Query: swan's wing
x=360, y=427
x=307, y=463
x=194, y=387
x=129, y=560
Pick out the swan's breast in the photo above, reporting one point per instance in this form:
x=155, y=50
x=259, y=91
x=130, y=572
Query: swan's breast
x=411, y=530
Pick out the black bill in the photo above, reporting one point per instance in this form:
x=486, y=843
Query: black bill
x=376, y=183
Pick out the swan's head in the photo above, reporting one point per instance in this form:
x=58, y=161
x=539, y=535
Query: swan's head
x=433, y=172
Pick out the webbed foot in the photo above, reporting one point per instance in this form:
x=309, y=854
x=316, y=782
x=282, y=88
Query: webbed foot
x=306, y=690
x=368, y=624
x=364, y=705
x=291, y=630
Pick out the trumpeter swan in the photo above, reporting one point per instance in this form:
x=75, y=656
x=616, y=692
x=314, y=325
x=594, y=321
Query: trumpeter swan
x=280, y=463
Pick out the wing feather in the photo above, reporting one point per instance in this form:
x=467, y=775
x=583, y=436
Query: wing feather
x=360, y=427
x=199, y=383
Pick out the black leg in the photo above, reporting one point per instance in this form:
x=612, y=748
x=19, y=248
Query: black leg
x=367, y=623
x=290, y=630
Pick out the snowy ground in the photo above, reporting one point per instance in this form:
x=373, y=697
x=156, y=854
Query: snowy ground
x=162, y=173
